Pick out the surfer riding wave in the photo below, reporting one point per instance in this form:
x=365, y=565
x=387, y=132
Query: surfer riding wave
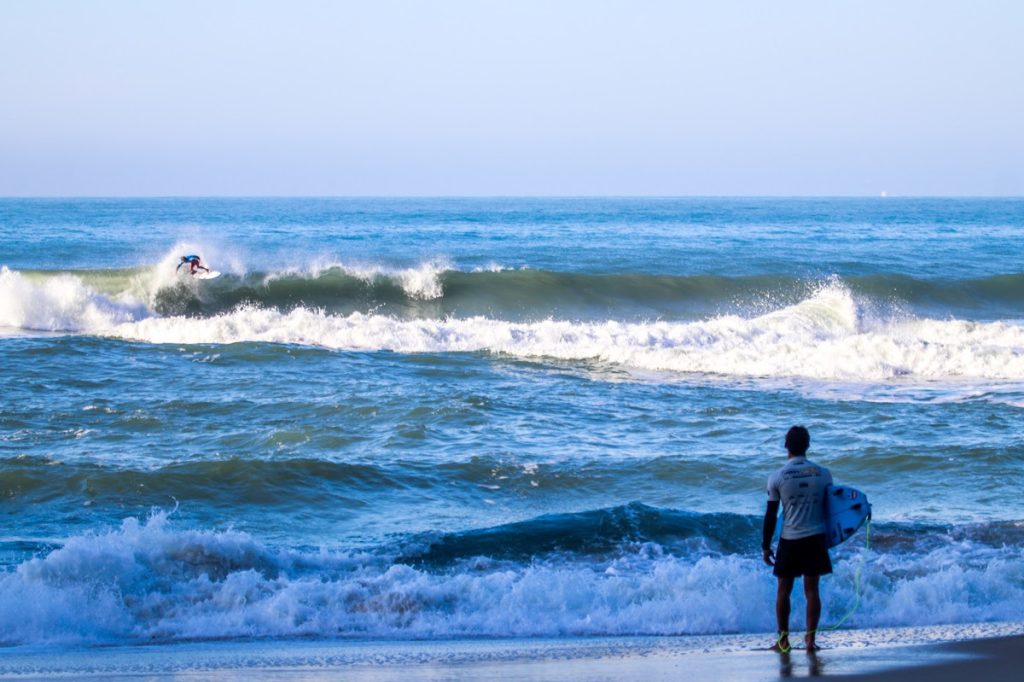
x=194, y=264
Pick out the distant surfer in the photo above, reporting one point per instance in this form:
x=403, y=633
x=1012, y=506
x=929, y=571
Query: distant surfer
x=194, y=264
x=800, y=487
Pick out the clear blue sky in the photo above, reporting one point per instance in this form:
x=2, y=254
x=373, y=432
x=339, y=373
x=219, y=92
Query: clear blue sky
x=507, y=98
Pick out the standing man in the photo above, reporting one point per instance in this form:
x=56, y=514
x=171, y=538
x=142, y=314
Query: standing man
x=800, y=487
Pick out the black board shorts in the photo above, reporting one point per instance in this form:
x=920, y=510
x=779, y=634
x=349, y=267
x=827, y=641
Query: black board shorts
x=806, y=556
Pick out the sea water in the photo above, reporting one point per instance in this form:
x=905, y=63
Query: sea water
x=444, y=418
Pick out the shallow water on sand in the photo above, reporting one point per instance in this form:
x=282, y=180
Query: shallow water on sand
x=734, y=657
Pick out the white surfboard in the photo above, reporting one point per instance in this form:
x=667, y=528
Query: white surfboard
x=206, y=274
x=846, y=509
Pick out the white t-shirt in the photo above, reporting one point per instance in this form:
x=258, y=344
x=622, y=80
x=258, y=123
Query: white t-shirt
x=800, y=485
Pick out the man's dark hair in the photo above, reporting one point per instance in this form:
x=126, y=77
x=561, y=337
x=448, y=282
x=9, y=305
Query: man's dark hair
x=798, y=440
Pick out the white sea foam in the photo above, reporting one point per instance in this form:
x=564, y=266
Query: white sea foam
x=824, y=337
x=828, y=336
x=68, y=302
x=150, y=581
x=60, y=303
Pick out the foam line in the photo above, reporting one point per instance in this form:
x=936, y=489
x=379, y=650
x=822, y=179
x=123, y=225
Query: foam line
x=827, y=336
x=151, y=581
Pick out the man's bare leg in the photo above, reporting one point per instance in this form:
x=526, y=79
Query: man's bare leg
x=813, y=609
x=782, y=613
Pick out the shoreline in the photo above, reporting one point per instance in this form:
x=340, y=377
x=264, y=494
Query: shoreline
x=983, y=651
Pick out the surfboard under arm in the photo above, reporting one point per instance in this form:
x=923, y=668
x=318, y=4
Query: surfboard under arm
x=846, y=510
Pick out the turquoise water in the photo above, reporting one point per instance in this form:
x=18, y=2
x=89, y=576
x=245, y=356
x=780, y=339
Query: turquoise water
x=437, y=418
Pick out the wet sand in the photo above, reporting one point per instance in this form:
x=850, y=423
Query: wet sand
x=981, y=660
x=875, y=655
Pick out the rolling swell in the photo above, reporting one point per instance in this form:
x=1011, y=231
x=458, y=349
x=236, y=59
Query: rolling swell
x=229, y=482
x=277, y=484
x=534, y=294
x=505, y=294
x=600, y=531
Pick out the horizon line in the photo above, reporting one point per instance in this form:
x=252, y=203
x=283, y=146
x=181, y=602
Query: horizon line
x=505, y=196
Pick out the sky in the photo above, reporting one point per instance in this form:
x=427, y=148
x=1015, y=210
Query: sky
x=385, y=97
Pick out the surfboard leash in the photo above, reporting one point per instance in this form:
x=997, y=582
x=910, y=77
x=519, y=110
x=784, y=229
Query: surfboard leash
x=856, y=580
x=856, y=593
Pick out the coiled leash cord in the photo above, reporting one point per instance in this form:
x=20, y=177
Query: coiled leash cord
x=856, y=594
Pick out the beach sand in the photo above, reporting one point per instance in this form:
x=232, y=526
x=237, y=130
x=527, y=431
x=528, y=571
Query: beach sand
x=980, y=660
x=856, y=655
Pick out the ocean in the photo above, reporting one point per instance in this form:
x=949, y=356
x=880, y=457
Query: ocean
x=433, y=419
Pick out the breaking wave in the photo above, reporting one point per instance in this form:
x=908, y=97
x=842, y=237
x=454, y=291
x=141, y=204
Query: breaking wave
x=831, y=333
x=640, y=570
x=438, y=289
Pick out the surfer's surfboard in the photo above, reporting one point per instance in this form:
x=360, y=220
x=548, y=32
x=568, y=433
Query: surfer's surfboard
x=846, y=509
x=206, y=275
